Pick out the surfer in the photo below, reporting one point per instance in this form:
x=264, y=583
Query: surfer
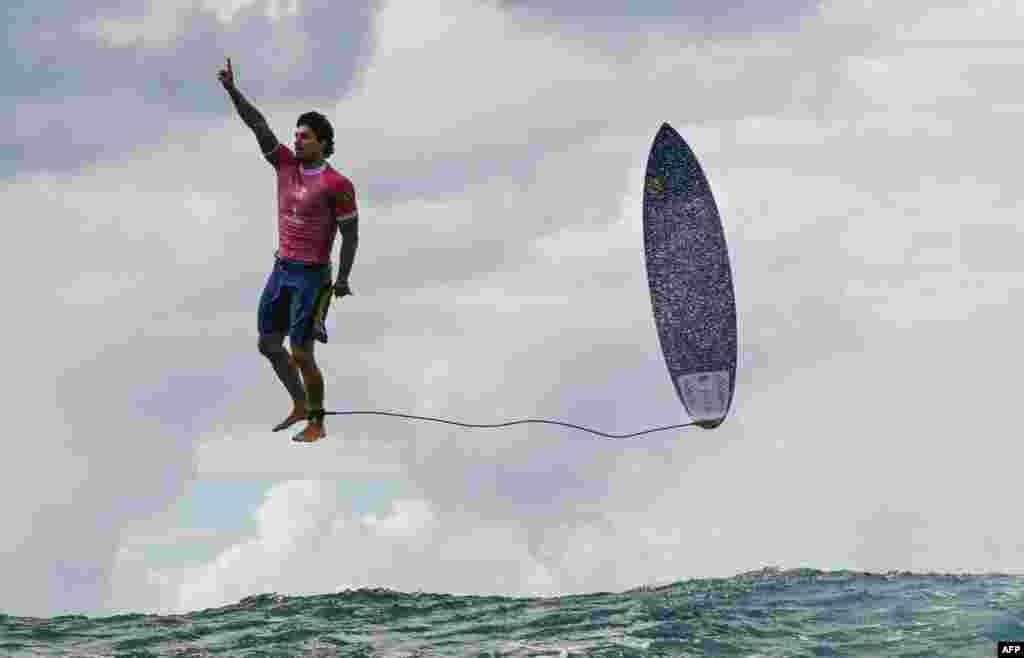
x=313, y=202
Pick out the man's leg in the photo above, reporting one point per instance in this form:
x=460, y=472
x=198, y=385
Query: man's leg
x=272, y=346
x=303, y=356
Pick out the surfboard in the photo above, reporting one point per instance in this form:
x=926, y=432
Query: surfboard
x=690, y=280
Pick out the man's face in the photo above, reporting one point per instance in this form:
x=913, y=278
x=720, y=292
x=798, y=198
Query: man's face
x=307, y=148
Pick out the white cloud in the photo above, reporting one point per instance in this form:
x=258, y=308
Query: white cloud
x=97, y=288
x=945, y=23
x=397, y=549
x=466, y=67
x=163, y=20
x=408, y=519
x=290, y=514
x=301, y=522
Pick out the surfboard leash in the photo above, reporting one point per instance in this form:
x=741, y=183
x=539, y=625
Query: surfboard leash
x=506, y=424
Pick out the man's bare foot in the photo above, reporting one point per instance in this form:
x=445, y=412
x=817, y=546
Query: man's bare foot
x=314, y=431
x=297, y=414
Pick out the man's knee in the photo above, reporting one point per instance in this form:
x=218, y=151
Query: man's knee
x=303, y=356
x=271, y=345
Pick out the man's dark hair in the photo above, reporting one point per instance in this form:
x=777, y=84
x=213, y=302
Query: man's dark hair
x=321, y=127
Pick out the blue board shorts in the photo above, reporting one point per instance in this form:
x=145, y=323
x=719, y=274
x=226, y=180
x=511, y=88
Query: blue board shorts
x=295, y=301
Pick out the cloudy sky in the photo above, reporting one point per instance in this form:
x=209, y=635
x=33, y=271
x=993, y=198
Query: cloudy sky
x=864, y=159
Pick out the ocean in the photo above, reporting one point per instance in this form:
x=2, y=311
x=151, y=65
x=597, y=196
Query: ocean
x=769, y=612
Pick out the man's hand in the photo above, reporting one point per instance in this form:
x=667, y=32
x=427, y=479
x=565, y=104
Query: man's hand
x=227, y=76
x=341, y=288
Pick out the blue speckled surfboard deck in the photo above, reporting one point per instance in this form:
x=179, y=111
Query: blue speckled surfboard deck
x=690, y=279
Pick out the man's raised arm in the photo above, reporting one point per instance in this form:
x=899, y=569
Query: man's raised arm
x=250, y=115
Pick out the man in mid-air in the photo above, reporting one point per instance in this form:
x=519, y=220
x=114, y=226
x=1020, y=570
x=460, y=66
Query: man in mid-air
x=313, y=202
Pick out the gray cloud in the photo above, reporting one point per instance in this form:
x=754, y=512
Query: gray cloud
x=706, y=16
x=78, y=98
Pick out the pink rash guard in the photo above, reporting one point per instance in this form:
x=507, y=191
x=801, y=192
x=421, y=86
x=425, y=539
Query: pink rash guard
x=311, y=205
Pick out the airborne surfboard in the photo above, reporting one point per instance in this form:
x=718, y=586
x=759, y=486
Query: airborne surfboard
x=690, y=280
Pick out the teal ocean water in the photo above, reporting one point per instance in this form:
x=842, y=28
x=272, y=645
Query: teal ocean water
x=764, y=613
